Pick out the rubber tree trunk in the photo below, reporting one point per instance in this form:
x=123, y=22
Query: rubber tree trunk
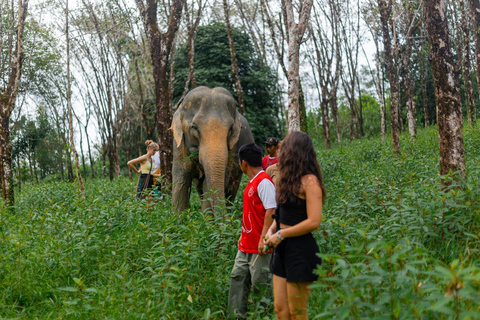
x=392, y=75
x=409, y=97
x=475, y=11
x=295, y=36
x=7, y=104
x=466, y=63
x=160, y=47
x=233, y=57
x=447, y=90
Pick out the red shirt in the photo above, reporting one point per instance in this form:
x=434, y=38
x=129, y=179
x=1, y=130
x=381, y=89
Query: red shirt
x=254, y=211
x=267, y=162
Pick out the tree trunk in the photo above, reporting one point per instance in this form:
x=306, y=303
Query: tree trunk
x=447, y=94
x=295, y=35
x=466, y=63
x=409, y=99
x=392, y=74
x=7, y=104
x=160, y=47
x=69, y=106
x=423, y=81
x=233, y=56
x=475, y=10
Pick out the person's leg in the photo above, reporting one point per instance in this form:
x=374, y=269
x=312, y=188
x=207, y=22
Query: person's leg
x=298, y=294
x=280, y=298
x=261, y=278
x=240, y=284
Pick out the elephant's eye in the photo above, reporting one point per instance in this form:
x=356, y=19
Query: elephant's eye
x=194, y=129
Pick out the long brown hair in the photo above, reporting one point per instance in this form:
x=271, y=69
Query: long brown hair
x=296, y=159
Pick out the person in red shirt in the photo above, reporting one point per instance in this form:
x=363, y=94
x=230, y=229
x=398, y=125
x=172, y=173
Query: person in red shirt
x=251, y=268
x=271, y=145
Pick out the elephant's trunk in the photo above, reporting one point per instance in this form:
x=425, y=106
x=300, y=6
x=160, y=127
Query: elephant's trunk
x=213, y=156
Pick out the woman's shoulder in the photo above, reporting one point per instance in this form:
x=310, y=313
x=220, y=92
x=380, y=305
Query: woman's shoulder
x=309, y=179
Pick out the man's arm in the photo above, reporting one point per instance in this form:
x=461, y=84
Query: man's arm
x=267, y=223
x=266, y=192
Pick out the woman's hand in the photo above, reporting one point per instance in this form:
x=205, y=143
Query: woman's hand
x=273, y=241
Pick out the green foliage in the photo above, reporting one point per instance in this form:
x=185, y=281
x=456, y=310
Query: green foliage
x=213, y=69
x=394, y=241
x=112, y=256
x=36, y=144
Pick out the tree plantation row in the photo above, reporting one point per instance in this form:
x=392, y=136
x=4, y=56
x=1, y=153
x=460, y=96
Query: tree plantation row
x=83, y=83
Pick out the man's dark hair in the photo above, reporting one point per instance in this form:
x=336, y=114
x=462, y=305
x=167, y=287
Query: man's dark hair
x=251, y=153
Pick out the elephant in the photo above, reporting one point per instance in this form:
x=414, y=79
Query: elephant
x=207, y=133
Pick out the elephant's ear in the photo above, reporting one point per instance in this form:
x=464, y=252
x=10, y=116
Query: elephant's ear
x=177, y=128
x=237, y=126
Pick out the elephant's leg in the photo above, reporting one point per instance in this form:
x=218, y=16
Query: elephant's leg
x=181, y=187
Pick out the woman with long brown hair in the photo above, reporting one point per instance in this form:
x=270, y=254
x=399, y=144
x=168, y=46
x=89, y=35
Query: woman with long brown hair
x=300, y=197
x=146, y=170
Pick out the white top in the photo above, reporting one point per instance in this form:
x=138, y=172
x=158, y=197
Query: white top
x=266, y=192
x=156, y=161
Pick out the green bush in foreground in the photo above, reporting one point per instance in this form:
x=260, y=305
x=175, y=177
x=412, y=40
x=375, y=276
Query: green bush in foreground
x=395, y=244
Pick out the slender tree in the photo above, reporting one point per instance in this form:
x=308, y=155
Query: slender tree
x=447, y=92
x=8, y=97
x=233, y=56
x=385, y=12
x=160, y=48
x=193, y=20
x=410, y=24
x=420, y=50
x=371, y=18
x=69, y=105
x=475, y=12
x=295, y=36
x=466, y=61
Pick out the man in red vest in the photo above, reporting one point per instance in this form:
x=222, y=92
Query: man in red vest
x=251, y=267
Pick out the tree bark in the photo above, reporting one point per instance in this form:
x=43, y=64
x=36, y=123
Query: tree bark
x=295, y=36
x=233, y=57
x=475, y=11
x=160, y=47
x=409, y=99
x=423, y=81
x=7, y=104
x=191, y=36
x=447, y=94
x=392, y=73
x=466, y=63
x=69, y=106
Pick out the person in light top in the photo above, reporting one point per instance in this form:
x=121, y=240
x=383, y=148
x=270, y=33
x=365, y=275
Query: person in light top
x=146, y=170
x=251, y=268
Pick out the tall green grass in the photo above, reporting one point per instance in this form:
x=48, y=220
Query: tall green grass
x=395, y=244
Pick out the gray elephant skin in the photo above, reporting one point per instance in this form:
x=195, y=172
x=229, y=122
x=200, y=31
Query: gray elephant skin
x=208, y=131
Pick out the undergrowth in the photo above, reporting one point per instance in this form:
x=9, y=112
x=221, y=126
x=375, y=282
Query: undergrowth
x=395, y=244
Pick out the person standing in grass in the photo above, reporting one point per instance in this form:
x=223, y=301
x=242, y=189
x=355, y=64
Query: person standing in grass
x=251, y=268
x=300, y=197
x=145, y=181
x=271, y=158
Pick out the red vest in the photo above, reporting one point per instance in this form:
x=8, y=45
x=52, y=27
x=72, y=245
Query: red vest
x=253, y=216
